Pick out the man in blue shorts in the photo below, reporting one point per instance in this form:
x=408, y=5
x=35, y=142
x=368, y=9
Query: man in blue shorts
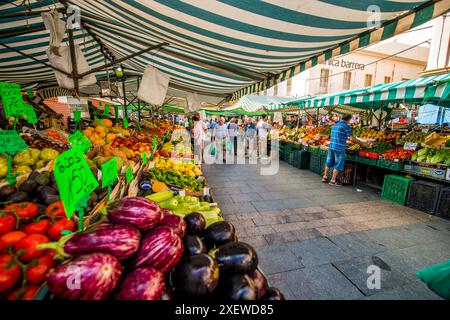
x=340, y=132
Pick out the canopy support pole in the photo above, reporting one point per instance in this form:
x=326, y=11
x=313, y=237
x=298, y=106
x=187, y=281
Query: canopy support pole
x=124, y=96
x=34, y=59
x=139, y=100
x=73, y=60
x=317, y=116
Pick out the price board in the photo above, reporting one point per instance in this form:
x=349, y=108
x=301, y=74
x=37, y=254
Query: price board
x=12, y=99
x=105, y=110
x=125, y=120
x=30, y=114
x=11, y=142
x=129, y=174
x=76, y=115
x=79, y=140
x=74, y=179
x=410, y=146
x=109, y=172
x=144, y=158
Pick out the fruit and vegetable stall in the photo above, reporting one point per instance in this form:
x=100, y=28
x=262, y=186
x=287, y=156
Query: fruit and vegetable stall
x=109, y=212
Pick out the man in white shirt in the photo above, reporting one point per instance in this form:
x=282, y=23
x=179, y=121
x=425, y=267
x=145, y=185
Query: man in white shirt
x=263, y=129
x=198, y=133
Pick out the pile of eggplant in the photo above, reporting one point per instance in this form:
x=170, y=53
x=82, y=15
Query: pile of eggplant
x=144, y=252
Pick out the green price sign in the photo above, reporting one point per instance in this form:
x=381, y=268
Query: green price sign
x=75, y=181
x=106, y=110
x=154, y=143
x=12, y=99
x=109, y=172
x=30, y=114
x=30, y=93
x=79, y=140
x=144, y=158
x=129, y=174
x=125, y=120
x=11, y=142
x=76, y=115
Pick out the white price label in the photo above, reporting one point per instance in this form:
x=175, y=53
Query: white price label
x=410, y=146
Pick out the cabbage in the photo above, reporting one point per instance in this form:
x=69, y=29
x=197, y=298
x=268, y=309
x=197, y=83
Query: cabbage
x=423, y=152
x=48, y=154
x=421, y=159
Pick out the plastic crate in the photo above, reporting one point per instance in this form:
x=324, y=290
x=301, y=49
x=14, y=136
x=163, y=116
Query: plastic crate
x=352, y=156
x=368, y=161
x=345, y=176
x=315, y=163
x=323, y=152
x=296, y=146
x=424, y=195
x=390, y=164
x=443, y=207
x=395, y=188
x=314, y=149
x=301, y=159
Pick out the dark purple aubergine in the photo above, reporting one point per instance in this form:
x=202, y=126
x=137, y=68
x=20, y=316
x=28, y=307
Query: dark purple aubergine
x=260, y=283
x=195, y=276
x=237, y=257
x=195, y=223
x=90, y=277
x=193, y=245
x=239, y=287
x=120, y=240
x=161, y=249
x=140, y=212
x=144, y=283
x=218, y=234
x=167, y=294
x=274, y=294
x=174, y=222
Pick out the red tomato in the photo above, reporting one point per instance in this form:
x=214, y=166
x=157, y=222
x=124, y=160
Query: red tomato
x=10, y=239
x=27, y=246
x=25, y=210
x=37, y=270
x=40, y=227
x=7, y=222
x=26, y=293
x=56, y=209
x=55, y=230
x=9, y=272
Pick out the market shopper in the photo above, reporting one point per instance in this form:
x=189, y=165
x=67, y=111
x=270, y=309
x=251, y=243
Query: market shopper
x=340, y=132
x=232, y=132
x=250, y=135
x=263, y=128
x=220, y=133
x=198, y=133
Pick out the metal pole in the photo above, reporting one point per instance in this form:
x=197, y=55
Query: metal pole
x=139, y=101
x=124, y=96
x=73, y=60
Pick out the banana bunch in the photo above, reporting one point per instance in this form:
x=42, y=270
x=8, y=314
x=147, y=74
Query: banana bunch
x=167, y=147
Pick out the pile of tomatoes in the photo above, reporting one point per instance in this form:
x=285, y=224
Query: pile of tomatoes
x=23, y=266
x=397, y=153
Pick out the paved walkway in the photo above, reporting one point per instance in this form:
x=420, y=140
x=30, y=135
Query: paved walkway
x=316, y=242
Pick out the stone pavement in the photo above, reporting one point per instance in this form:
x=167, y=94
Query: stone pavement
x=315, y=241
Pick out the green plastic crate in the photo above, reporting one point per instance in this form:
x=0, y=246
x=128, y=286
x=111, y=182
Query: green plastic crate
x=314, y=150
x=391, y=165
x=315, y=163
x=351, y=157
x=368, y=161
x=296, y=146
x=395, y=188
x=323, y=152
x=300, y=159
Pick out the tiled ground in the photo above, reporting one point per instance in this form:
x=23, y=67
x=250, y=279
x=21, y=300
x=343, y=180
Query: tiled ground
x=316, y=242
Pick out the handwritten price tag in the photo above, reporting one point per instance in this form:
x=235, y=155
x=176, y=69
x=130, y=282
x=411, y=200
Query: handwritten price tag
x=11, y=142
x=75, y=180
x=144, y=158
x=12, y=99
x=79, y=140
x=109, y=172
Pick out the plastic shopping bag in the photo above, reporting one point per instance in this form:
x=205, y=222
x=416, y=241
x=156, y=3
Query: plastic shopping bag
x=437, y=278
x=212, y=149
x=228, y=146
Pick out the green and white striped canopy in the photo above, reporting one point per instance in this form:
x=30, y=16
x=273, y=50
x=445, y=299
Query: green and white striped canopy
x=434, y=88
x=225, y=47
x=254, y=103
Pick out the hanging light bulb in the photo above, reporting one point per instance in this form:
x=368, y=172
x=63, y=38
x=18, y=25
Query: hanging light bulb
x=118, y=71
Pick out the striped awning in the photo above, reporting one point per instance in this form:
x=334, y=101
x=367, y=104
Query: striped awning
x=254, y=103
x=287, y=106
x=226, y=47
x=421, y=90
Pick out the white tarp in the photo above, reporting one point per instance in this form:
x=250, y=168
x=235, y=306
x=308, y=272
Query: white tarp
x=193, y=103
x=153, y=87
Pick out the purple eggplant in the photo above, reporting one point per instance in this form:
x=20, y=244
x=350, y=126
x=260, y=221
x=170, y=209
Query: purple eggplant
x=89, y=277
x=120, y=240
x=274, y=294
x=161, y=249
x=261, y=283
x=195, y=276
x=239, y=287
x=140, y=212
x=218, y=234
x=174, y=222
x=144, y=283
x=237, y=257
x=195, y=223
x=193, y=245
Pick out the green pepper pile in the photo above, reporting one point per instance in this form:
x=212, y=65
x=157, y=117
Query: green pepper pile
x=176, y=179
x=381, y=147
